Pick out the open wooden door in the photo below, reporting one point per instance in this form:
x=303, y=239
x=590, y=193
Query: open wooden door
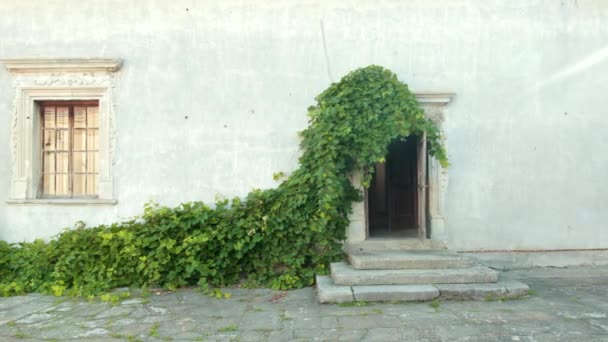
x=401, y=189
x=392, y=198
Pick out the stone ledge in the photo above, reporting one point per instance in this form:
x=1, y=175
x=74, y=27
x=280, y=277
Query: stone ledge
x=62, y=64
x=426, y=97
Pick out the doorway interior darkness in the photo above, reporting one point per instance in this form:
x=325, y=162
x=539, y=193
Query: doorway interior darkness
x=393, y=197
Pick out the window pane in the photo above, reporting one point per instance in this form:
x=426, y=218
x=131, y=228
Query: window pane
x=63, y=116
x=92, y=139
x=49, y=139
x=49, y=117
x=48, y=162
x=63, y=140
x=93, y=116
x=70, y=161
x=80, y=140
x=62, y=185
x=80, y=162
x=62, y=161
x=79, y=185
x=48, y=184
x=80, y=117
x=91, y=185
x=92, y=162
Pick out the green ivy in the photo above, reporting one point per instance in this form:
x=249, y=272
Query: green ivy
x=277, y=237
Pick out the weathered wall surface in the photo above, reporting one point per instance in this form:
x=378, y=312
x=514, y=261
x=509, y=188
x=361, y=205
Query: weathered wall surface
x=526, y=132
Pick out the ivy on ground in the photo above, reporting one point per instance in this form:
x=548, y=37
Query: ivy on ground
x=277, y=237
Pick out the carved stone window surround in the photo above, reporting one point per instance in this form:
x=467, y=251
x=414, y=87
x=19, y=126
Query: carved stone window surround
x=36, y=80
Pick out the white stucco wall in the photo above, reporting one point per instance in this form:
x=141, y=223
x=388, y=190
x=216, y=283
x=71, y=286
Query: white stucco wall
x=526, y=133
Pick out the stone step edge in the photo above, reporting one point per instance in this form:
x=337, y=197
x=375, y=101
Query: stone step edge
x=395, y=260
x=377, y=245
x=344, y=274
x=330, y=293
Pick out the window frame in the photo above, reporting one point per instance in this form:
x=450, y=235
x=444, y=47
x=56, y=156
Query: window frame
x=71, y=104
x=37, y=81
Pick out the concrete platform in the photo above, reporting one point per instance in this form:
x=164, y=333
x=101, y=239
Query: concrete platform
x=412, y=259
x=344, y=274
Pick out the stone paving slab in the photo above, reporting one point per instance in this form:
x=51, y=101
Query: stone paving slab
x=565, y=305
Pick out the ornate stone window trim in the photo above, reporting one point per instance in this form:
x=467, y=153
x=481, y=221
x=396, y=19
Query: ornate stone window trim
x=36, y=80
x=32, y=65
x=434, y=105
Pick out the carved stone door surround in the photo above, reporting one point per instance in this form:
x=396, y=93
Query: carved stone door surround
x=434, y=105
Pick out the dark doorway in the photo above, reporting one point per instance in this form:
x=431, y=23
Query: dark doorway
x=393, y=193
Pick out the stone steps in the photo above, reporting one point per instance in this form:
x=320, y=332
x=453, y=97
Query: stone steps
x=412, y=275
x=344, y=274
x=407, y=259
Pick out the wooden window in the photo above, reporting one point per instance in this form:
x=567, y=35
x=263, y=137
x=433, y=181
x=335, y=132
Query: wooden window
x=70, y=149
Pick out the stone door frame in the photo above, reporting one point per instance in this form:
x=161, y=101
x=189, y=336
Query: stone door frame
x=434, y=105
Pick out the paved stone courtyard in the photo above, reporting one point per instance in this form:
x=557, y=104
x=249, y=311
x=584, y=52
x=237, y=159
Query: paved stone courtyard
x=567, y=304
